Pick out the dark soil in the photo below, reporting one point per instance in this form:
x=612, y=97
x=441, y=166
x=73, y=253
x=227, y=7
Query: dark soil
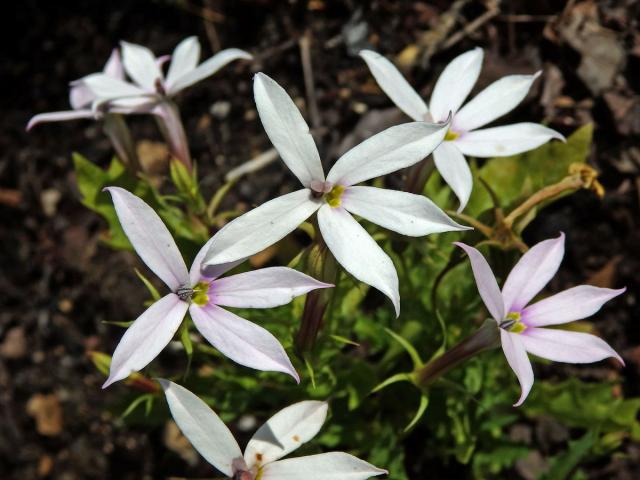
x=59, y=283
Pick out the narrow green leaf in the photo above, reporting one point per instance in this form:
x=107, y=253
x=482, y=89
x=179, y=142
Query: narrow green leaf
x=422, y=407
x=413, y=353
x=152, y=290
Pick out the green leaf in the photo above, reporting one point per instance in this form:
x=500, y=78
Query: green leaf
x=147, y=398
x=413, y=353
x=564, y=464
x=422, y=407
x=155, y=295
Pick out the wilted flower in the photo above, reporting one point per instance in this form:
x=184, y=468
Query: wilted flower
x=520, y=323
x=202, y=293
x=335, y=196
x=450, y=92
x=151, y=91
x=283, y=433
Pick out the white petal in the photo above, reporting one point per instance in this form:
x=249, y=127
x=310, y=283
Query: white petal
x=106, y=87
x=324, y=466
x=184, y=59
x=454, y=169
x=80, y=96
x=455, y=84
x=287, y=130
x=285, y=432
x=150, y=238
x=199, y=272
x=395, y=86
x=203, y=427
x=532, y=272
x=505, y=141
x=146, y=337
x=402, y=212
x=242, y=341
x=261, y=227
x=208, y=68
x=572, y=304
x=485, y=281
x=563, y=346
x=114, y=67
x=390, y=150
x=140, y=64
x=497, y=99
x=518, y=360
x=358, y=253
x=59, y=117
x=263, y=288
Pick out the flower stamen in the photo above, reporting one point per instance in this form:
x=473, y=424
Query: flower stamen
x=512, y=323
x=450, y=136
x=334, y=197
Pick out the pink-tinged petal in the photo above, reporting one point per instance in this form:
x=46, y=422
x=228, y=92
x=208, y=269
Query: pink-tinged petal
x=141, y=104
x=261, y=227
x=532, y=272
x=564, y=346
x=283, y=433
x=402, y=212
x=505, y=141
x=146, y=337
x=287, y=130
x=80, y=96
x=140, y=63
x=454, y=169
x=358, y=253
x=485, y=281
x=324, y=466
x=263, y=288
x=208, y=68
x=184, y=60
x=106, y=87
x=390, y=150
x=455, y=84
x=150, y=238
x=395, y=86
x=209, y=272
x=496, y=100
x=514, y=350
x=203, y=427
x=242, y=341
x=59, y=117
x=572, y=304
x=114, y=67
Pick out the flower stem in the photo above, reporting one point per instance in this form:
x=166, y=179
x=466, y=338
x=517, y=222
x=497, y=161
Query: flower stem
x=485, y=338
x=116, y=129
x=173, y=131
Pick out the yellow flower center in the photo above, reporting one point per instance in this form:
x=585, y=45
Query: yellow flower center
x=450, y=136
x=333, y=198
x=199, y=296
x=512, y=323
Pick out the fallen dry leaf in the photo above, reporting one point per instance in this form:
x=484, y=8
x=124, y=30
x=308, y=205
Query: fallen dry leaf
x=47, y=412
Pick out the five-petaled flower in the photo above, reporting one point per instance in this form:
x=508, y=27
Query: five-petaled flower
x=450, y=92
x=520, y=323
x=283, y=433
x=335, y=197
x=202, y=293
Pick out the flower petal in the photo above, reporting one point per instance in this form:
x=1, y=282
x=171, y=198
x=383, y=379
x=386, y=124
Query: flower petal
x=208, y=68
x=358, y=253
x=564, y=346
x=114, y=67
x=532, y=272
x=106, y=87
x=454, y=169
x=261, y=227
x=285, y=432
x=150, y=238
x=146, y=337
x=390, y=150
x=395, y=86
x=455, y=84
x=402, y=212
x=80, y=96
x=505, y=141
x=287, y=130
x=184, y=60
x=242, y=341
x=497, y=99
x=140, y=64
x=209, y=272
x=263, y=288
x=203, y=427
x=485, y=281
x=324, y=466
x=514, y=350
x=572, y=304
x=59, y=117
